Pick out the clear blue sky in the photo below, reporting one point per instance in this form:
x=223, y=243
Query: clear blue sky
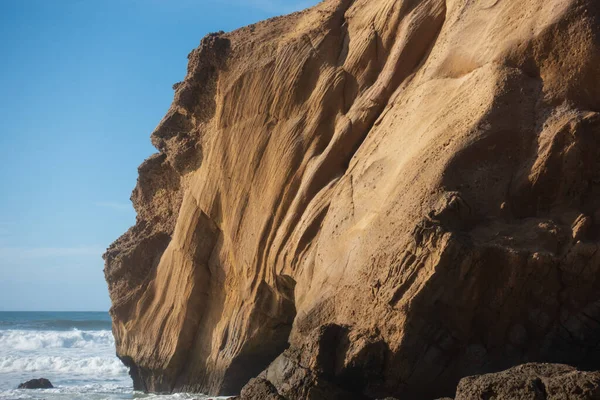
x=82, y=85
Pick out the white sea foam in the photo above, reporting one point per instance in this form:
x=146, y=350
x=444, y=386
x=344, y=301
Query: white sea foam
x=65, y=357
x=96, y=392
x=95, y=366
x=22, y=340
x=81, y=364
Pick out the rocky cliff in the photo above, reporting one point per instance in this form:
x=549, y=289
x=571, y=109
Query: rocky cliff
x=370, y=198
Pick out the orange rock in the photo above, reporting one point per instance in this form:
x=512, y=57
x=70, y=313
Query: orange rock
x=386, y=187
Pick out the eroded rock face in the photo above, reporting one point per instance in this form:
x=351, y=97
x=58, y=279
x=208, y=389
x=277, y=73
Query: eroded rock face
x=367, y=197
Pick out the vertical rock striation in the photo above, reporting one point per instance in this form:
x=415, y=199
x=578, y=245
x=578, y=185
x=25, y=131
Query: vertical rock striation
x=366, y=197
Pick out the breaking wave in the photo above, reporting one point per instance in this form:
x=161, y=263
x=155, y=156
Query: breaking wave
x=102, y=366
x=24, y=340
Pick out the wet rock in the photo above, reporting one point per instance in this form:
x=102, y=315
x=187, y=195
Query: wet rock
x=41, y=383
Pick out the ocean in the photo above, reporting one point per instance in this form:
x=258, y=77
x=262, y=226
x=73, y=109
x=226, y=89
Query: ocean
x=74, y=350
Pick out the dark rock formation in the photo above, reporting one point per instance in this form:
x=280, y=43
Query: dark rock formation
x=41, y=383
x=367, y=197
x=525, y=382
x=532, y=382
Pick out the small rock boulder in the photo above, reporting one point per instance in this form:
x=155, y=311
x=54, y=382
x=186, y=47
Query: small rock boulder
x=532, y=382
x=41, y=383
x=260, y=388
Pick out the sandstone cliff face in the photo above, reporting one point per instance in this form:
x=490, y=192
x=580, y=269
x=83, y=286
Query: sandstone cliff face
x=367, y=197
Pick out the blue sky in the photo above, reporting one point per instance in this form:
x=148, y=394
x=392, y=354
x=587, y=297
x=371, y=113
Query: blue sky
x=83, y=84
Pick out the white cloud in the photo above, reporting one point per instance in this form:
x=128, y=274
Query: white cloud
x=114, y=205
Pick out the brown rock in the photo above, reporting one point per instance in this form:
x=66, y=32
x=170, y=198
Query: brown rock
x=532, y=382
x=581, y=227
x=367, y=197
x=260, y=388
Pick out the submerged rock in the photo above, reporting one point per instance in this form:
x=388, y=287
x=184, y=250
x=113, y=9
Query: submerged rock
x=41, y=383
x=368, y=197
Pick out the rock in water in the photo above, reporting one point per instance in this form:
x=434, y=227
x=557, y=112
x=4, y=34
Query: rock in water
x=41, y=383
x=367, y=197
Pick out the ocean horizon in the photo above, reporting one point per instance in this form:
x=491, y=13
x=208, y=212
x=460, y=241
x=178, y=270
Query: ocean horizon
x=75, y=350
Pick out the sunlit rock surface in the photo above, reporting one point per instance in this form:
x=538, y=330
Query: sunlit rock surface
x=367, y=197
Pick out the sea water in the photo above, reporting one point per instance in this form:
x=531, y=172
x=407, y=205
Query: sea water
x=74, y=350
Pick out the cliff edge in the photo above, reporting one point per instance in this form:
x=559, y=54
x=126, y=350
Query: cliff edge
x=370, y=198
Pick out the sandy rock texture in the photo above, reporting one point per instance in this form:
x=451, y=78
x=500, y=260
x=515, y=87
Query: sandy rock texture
x=366, y=197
